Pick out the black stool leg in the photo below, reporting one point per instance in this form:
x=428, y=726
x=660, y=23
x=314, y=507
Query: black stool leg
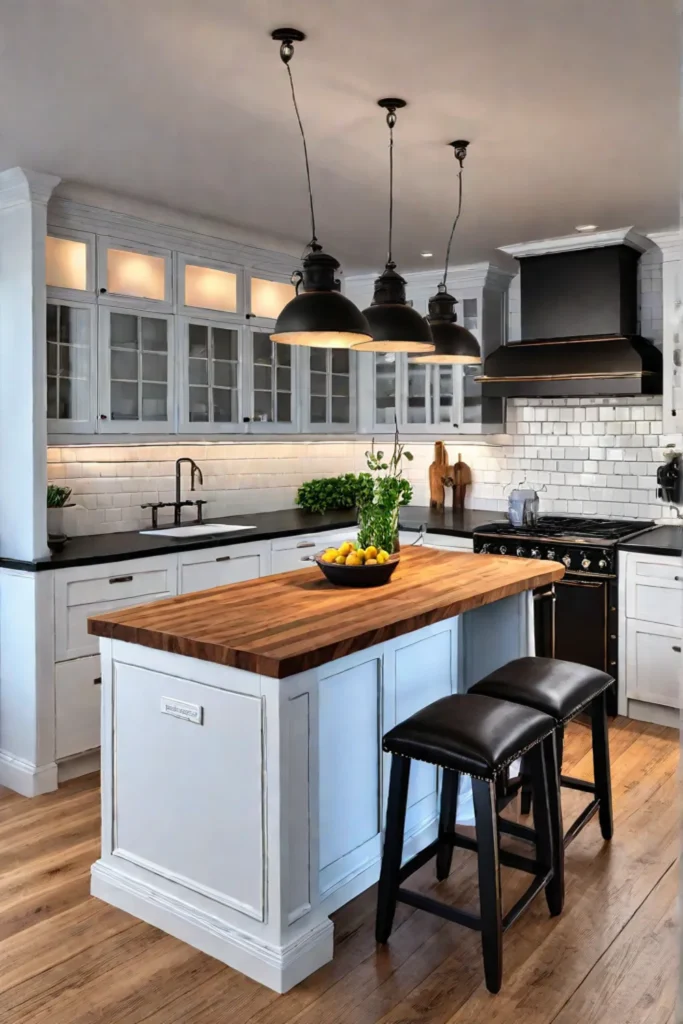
x=525, y=802
x=601, y=766
x=490, y=901
x=548, y=819
x=393, y=847
x=449, y=808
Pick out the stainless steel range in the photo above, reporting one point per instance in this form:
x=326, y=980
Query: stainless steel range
x=577, y=619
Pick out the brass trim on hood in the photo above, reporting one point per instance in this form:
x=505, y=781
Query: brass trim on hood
x=568, y=376
x=589, y=338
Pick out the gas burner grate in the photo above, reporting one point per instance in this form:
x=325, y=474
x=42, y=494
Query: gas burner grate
x=570, y=526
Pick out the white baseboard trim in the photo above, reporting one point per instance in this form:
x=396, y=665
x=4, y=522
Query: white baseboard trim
x=277, y=967
x=656, y=714
x=27, y=778
x=79, y=764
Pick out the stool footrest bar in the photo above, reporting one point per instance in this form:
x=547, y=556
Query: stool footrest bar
x=420, y=902
x=582, y=820
x=525, y=899
x=583, y=787
x=416, y=862
x=514, y=828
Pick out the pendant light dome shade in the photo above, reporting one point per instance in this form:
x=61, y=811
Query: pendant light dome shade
x=452, y=342
x=320, y=316
x=394, y=325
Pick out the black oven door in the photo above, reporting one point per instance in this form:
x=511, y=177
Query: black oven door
x=544, y=621
x=581, y=621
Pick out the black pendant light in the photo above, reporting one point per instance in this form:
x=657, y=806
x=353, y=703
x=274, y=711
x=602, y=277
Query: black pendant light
x=452, y=342
x=395, y=326
x=319, y=316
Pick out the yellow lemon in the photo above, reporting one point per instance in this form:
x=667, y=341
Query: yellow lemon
x=383, y=552
x=345, y=548
x=371, y=561
x=371, y=551
x=382, y=557
x=353, y=544
x=329, y=556
x=340, y=559
x=353, y=559
x=361, y=554
x=331, y=551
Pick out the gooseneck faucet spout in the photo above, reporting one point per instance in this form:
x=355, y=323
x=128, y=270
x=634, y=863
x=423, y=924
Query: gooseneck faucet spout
x=195, y=471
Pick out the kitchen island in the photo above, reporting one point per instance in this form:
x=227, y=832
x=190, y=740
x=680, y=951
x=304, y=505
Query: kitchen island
x=243, y=783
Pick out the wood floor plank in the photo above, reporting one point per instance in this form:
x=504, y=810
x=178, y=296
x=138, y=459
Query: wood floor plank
x=66, y=958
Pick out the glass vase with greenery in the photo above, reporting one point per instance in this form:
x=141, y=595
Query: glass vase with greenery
x=383, y=491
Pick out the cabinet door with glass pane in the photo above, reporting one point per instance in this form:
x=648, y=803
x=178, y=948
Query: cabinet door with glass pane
x=70, y=359
x=331, y=389
x=136, y=371
x=266, y=297
x=70, y=265
x=422, y=396
x=129, y=274
x=272, y=378
x=211, y=384
x=209, y=289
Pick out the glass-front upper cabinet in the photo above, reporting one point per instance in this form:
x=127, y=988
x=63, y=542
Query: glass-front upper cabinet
x=331, y=390
x=266, y=297
x=421, y=396
x=136, y=371
x=70, y=366
x=210, y=289
x=211, y=385
x=273, y=376
x=70, y=265
x=131, y=274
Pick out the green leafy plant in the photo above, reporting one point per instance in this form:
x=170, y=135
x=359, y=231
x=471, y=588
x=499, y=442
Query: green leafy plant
x=331, y=493
x=380, y=501
x=57, y=497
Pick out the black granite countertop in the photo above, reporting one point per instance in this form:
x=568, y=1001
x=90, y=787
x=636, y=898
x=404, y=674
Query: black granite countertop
x=662, y=540
x=117, y=547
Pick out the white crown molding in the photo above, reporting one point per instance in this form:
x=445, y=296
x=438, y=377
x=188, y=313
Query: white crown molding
x=569, y=243
x=21, y=185
x=66, y=214
x=467, y=275
x=670, y=242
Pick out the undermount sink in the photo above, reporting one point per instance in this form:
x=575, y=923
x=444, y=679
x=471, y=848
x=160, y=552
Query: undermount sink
x=196, y=530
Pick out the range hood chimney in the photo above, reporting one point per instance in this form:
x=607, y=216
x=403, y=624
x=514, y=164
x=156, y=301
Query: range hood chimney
x=579, y=314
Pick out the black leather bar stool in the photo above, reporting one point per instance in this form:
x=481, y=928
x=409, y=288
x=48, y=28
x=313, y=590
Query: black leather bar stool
x=562, y=689
x=477, y=736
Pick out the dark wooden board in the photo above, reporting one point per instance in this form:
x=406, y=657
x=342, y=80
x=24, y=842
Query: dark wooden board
x=284, y=624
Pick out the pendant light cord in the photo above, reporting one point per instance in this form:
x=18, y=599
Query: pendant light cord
x=313, y=244
x=455, y=224
x=391, y=121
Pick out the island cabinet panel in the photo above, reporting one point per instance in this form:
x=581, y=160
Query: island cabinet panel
x=216, y=567
x=653, y=654
x=350, y=780
x=424, y=672
x=77, y=706
x=193, y=829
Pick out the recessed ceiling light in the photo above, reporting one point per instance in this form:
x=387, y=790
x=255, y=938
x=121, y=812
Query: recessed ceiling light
x=426, y=254
x=586, y=227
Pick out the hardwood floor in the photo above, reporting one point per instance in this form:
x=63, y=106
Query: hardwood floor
x=611, y=958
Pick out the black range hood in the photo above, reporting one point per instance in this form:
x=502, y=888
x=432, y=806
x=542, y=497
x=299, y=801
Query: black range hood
x=579, y=324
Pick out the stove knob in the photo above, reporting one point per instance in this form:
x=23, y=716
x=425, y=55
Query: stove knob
x=484, y=549
x=567, y=560
x=550, y=554
x=520, y=552
x=535, y=552
x=503, y=549
x=585, y=563
x=602, y=564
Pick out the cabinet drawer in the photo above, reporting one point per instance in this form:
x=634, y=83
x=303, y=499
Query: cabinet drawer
x=449, y=543
x=77, y=706
x=80, y=593
x=289, y=553
x=654, y=590
x=216, y=567
x=653, y=666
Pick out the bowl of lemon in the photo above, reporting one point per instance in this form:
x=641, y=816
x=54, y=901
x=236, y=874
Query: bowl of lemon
x=351, y=566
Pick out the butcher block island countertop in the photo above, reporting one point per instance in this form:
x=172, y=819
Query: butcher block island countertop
x=280, y=625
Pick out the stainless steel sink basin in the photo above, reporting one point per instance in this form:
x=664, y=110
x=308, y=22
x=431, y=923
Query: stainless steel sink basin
x=196, y=530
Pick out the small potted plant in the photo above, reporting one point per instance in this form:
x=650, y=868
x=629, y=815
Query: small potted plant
x=57, y=501
x=384, y=492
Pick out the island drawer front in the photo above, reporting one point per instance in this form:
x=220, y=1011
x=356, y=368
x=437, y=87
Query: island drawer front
x=77, y=706
x=654, y=590
x=653, y=663
x=80, y=593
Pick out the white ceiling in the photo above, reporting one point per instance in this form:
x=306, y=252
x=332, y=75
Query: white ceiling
x=571, y=106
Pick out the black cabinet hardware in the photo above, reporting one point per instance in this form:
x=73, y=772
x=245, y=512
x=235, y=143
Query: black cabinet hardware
x=306, y=544
x=676, y=648
x=224, y=558
x=121, y=579
x=97, y=681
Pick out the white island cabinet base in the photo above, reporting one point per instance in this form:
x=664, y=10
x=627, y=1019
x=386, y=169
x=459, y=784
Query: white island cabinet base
x=240, y=811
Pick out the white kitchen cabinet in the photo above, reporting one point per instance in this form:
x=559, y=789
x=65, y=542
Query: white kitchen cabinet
x=448, y=543
x=650, y=636
x=329, y=390
x=71, y=361
x=133, y=274
x=70, y=265
x=271, y=384
x=137, y=371
x=216, y=567
x=289, y=553
x=266, y=296
x=77, y=706
x=210, y=288
x=211, y=380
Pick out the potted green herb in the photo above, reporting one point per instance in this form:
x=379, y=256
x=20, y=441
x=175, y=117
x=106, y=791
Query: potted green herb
x=57, y=501
x=382, y=493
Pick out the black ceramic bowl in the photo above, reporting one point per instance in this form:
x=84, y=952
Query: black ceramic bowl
x=358, y=575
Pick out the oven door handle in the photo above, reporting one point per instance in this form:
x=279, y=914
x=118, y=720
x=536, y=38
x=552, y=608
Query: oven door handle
x=568, y=583
x=547, y=594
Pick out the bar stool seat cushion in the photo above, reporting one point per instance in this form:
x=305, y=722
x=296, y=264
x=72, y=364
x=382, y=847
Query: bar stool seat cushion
x=473, y=734
x=558, y=688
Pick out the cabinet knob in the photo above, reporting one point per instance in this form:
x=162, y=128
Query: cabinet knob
x=676, y=648
x=103, y=415
x=103, y=291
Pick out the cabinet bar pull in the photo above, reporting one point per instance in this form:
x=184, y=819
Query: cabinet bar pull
x=97, y=681
x=306, y=544
x=307, y=558
x=676, y=648
x=121, y=579
x=224, y=558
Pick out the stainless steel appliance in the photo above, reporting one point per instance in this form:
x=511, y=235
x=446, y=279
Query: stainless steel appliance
x=577, y=619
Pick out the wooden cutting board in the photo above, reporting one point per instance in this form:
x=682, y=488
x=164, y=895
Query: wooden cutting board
x=437, y=473
x=461, y=475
